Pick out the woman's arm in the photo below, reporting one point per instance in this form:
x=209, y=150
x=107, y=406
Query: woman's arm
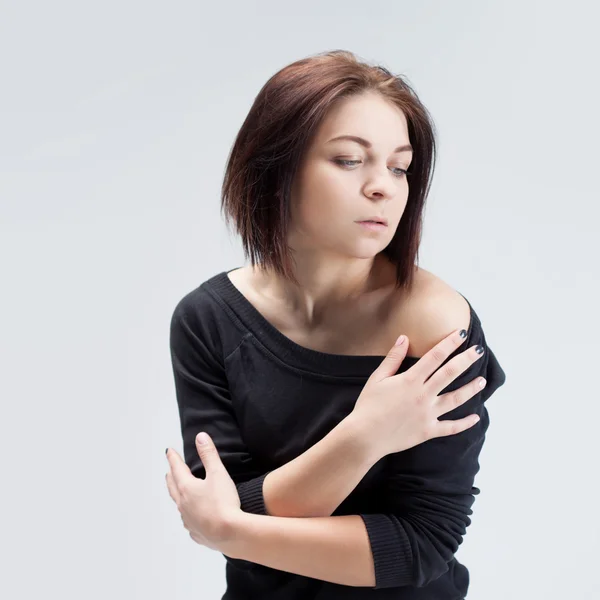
x=315, y=483
x=425, y=510
x=334, y=549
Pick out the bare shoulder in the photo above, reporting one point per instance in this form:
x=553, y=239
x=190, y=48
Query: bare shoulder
x=435, y=309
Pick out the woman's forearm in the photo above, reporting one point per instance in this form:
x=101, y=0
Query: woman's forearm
x=315, y=483
x=335, y=549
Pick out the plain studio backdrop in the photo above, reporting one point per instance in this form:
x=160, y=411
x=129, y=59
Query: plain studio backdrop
x=116, y=121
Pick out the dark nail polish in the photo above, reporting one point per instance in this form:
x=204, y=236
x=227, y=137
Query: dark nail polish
x=479, y=349
x=463, y=333
x=167, y=451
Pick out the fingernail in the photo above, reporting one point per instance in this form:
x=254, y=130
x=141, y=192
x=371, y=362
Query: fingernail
x=463, y=333
x=400, y=341
x=167, y=451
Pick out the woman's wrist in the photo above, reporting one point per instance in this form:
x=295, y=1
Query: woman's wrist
x=358, y=433
x=234, y=529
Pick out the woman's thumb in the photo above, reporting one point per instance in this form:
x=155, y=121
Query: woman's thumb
x=207, y=451
x=391, y=363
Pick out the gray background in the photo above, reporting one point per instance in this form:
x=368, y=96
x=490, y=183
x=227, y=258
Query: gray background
x=116, y=120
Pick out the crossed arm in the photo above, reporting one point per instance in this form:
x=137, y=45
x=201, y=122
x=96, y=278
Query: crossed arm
x=426, y=503
x=286, y=520
x=334, y=549
x=315, y=483
x=427, y=497
x=298, y=535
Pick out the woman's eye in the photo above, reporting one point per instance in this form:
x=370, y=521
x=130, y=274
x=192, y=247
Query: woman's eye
x=345, y=162
x=348, y=162
x=402, y=173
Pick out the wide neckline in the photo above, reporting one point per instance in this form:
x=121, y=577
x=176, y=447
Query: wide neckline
x=289, y=351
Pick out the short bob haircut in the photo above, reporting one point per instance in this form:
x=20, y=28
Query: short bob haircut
x=270, y=144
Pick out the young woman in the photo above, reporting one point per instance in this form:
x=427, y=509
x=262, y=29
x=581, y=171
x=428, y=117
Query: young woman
x=338, y=464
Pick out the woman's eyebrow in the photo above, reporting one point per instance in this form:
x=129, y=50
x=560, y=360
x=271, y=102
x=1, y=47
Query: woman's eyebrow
x=367, y=144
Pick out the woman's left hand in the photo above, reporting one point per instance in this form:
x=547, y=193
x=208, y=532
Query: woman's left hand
x=208, y=506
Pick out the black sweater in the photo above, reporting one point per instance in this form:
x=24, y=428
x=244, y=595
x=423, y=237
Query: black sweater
x=265, y=400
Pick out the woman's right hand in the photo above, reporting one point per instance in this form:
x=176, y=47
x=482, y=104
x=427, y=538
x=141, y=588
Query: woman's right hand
x=400, y=411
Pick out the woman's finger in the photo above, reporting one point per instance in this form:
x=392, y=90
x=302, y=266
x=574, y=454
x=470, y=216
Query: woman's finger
x=453, y=368
x=433, y=359
x=172, y=488
x=452, y=427
x=451, y=400
x=180, y=472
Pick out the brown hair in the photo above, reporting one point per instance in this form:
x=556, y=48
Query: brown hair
x=271, y=142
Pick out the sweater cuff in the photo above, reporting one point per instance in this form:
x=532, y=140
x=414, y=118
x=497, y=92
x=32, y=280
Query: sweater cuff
x=251, y=495
x=391, y=551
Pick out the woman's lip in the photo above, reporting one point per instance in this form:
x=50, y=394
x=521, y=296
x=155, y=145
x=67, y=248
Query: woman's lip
x=372, y=226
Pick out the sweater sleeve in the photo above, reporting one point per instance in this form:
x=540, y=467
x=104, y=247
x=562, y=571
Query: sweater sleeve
x=204, y=402
x=428, y=491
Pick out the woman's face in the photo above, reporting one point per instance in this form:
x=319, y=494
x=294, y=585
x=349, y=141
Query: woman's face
x=341, y=182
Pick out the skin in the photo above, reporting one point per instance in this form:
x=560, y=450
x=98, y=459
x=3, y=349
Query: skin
x=346, y=283
x=208, y=507
x=341, y=272
x=337, y=260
